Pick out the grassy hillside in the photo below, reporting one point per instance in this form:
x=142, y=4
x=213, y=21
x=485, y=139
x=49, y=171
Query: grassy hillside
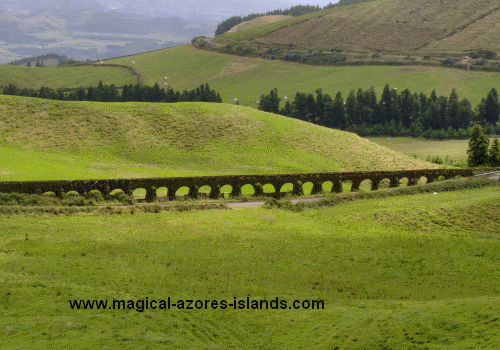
x=247, y=78
x=42, y=139
x=258, y=22
x=390, y=26
x=65, y=76
x=411, y=272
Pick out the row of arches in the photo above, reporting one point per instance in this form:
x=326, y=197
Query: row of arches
x=235, y=185
x=269, y=189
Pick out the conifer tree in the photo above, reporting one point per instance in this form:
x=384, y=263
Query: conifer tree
x=478, y=147
x=495, y=153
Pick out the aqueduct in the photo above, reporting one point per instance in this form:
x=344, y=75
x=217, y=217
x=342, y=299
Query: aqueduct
x=235, y=181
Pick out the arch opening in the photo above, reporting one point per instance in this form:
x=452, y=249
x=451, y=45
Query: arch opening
x=365, y=185
x=268, y=188
x=182, y=191
x=226, y=191
x=327, y=186
x=384, y=184
x=139, y=194
x=162, y=194
x=247, y=190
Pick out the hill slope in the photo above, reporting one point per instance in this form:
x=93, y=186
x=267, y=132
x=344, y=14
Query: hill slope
x=248, y=78
x=102, y=140
x=434, y=26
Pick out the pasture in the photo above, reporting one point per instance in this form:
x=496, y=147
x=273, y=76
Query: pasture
x=56, y=140
x=402, y=272
x=64, y=77
x=454, y=149
x=247, y=78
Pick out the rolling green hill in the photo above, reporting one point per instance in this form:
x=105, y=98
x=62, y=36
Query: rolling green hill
x=65, y=77
x=247, y=78
x=43, y=139
x=433, y=27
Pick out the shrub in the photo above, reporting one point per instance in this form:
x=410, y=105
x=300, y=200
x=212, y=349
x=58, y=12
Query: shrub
x=71, y=194
x=122, y=197
x=75, y=201
x=270, y=51
x=49, y=194
x=426, y=57
x=96, y=195
x=375, y=55
x=336, y=50
x=450, y=60
x=479, y=62
x=290, y=56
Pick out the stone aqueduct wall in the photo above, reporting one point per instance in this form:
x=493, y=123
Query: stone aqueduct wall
x=235, y=181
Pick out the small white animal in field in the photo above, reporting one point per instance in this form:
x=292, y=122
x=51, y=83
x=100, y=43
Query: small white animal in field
x=133, y=62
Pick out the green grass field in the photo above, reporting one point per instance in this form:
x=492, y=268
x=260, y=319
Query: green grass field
x=44, y=140
x=454, y=149
x=416, y=272
x=248, y=78
x=65, y=76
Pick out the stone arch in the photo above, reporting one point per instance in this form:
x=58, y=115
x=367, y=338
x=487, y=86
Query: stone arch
x=384, y=183
x=355, y=183
x=247, y=188
x=162, y=193
x=285, y=185
x=316, y=186
x=139, y=193
x=225, y=189
x=327, y=186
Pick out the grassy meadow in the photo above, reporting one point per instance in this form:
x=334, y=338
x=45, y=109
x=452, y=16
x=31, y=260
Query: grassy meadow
x=414, y=272
x=64, y=77
x=454, y=149
x=49, y=140
x=247, y=78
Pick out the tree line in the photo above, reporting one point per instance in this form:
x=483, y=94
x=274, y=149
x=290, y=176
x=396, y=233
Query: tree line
x=395, y=113
x=129, y=93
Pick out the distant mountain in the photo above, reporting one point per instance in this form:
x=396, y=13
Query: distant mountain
x=193, y=10
x=98, y=34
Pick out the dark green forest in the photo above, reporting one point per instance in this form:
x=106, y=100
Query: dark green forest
x=130, y=93
x=395, y=113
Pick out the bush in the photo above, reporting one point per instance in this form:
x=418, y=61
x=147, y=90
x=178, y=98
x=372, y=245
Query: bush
x=479, y=62
x=75, y=201
x=122, y=197
x=49, y=194
x=290, y=56
x=270, y=51
x=96, y=195
x=450, y=60
x=426, y=57
x=375, y=55
x=336, y=50
x=71, y=194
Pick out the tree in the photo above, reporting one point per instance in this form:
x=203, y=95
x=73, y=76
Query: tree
x=491, y=107
x=28, y=64
x=478, y=147
x=495, y=153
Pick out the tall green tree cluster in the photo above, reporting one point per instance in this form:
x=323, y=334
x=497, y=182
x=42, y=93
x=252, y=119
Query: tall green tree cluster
x=478, y=152
x=395, y=113
x=110, y=93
